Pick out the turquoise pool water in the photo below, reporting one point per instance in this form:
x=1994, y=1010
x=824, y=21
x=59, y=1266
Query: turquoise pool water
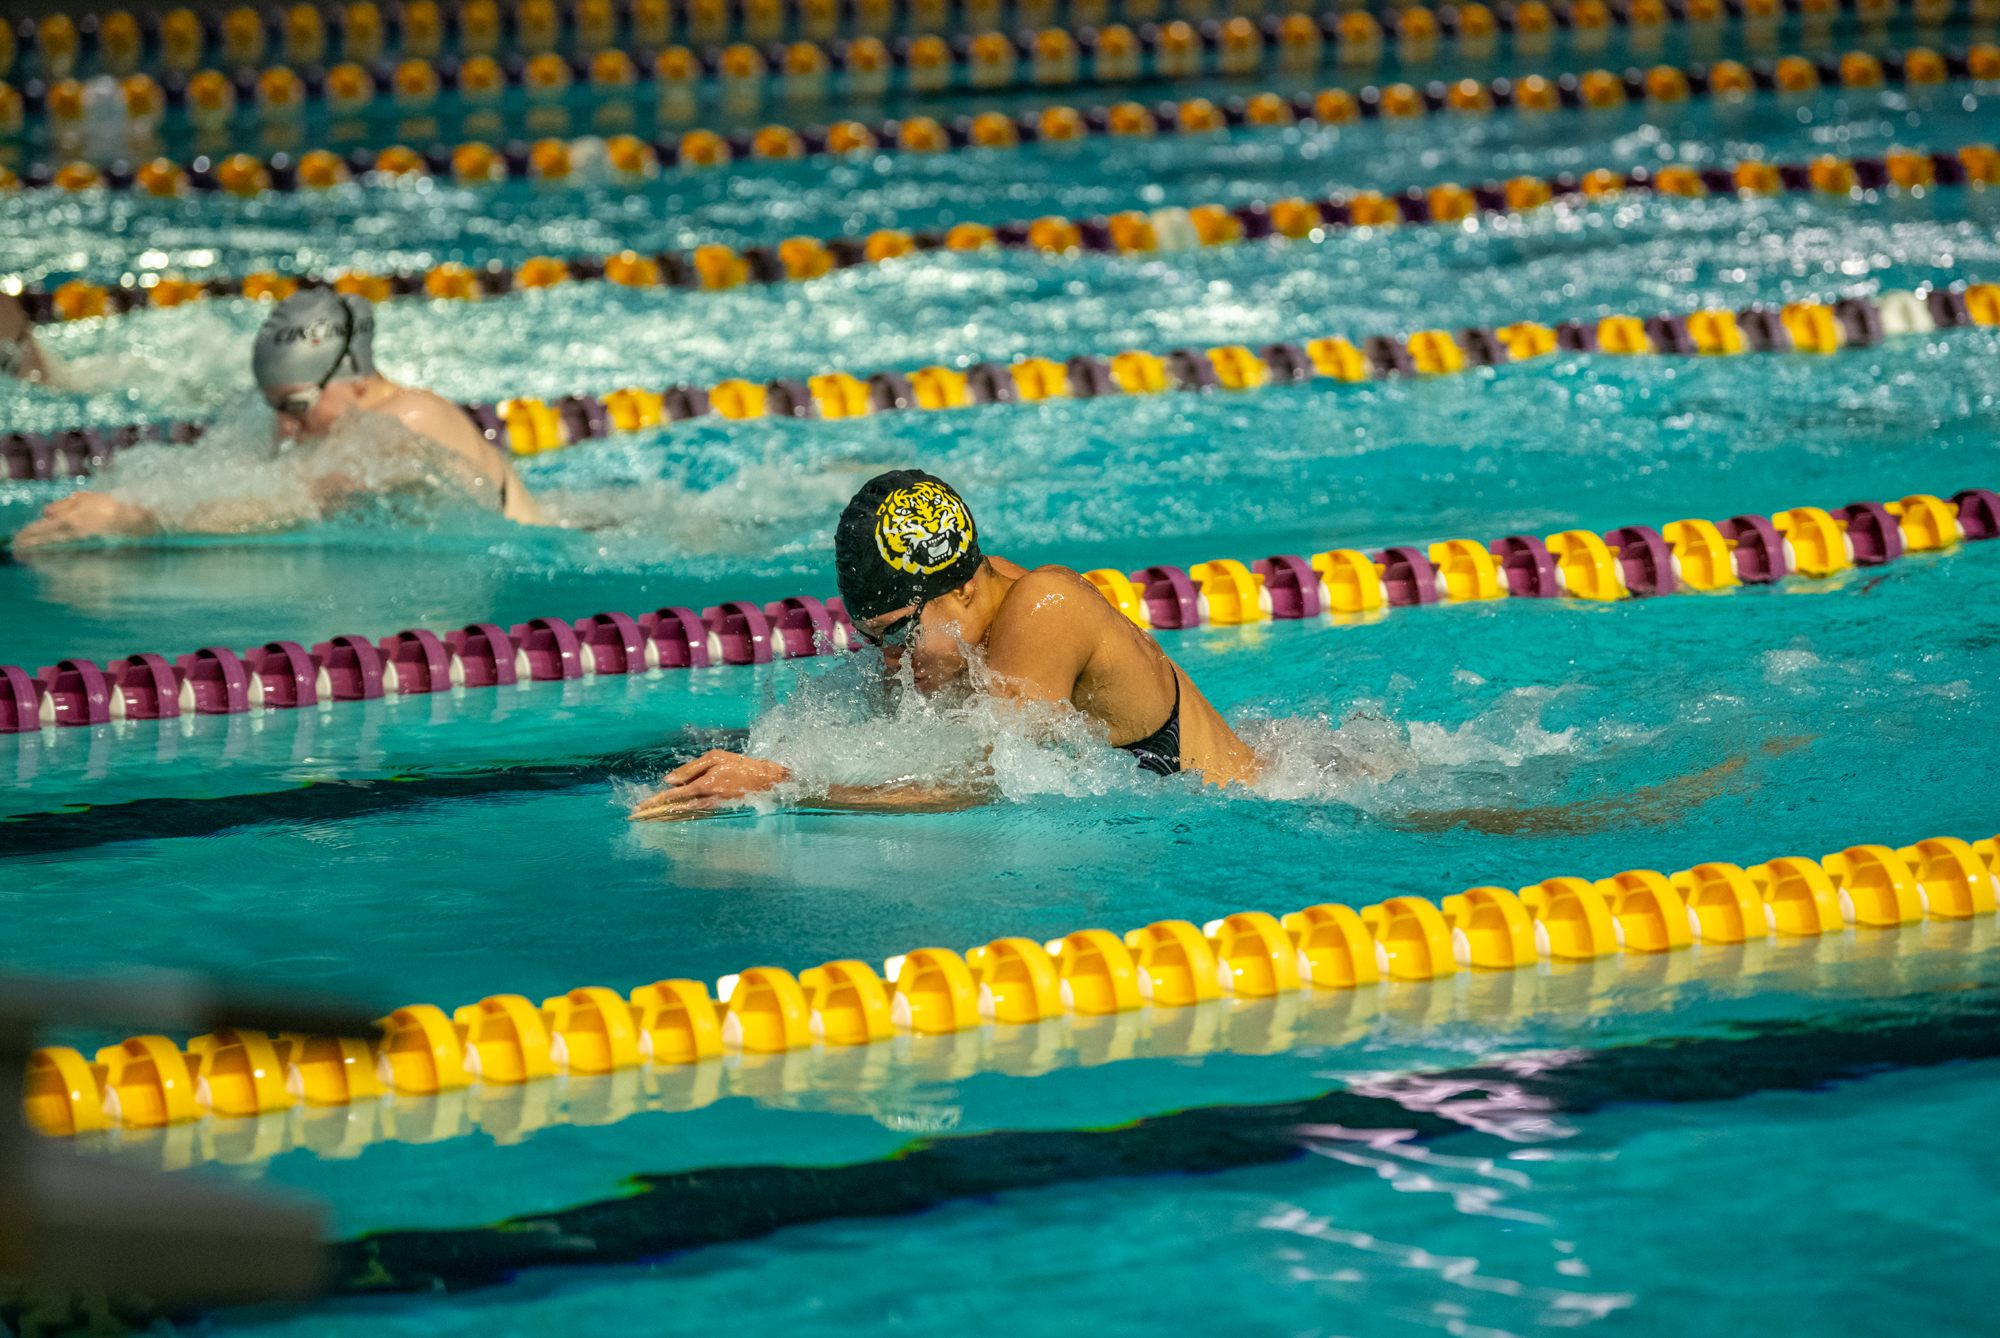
x=443, y=849
x=1616, y=1229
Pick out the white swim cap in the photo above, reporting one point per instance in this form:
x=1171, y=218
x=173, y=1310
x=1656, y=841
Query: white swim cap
x=314, y=336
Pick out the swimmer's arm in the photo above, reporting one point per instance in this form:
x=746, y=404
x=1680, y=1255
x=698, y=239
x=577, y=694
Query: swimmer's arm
x=97, y=515
x=353, y=469
x=86, y=515
x=719, y=779
x=902, y=797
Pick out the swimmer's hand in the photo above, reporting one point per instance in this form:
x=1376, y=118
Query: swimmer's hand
x=86, y=515
x=716, y=779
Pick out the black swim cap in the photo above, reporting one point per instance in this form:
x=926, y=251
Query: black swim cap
x=905, y=538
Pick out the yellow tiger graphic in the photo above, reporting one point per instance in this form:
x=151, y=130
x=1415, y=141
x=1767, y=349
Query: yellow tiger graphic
x=922, y=529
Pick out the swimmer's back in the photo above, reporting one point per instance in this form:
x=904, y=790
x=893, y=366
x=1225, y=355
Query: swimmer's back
x=433, y=416
x=1123, y=677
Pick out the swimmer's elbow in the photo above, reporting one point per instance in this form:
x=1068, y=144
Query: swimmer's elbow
x=1247, y=775
x=526, y=511
x=1237, y=764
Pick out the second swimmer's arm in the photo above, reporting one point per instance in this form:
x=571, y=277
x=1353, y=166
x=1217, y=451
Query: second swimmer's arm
x=86, y=515
x=99, y=515
x=231, y=515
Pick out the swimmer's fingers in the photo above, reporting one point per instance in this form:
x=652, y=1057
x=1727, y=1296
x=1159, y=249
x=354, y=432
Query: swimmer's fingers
x=679, y=815
x=671, y=804
x=744, y=775
x=683, y=800
x=666, y=802
x=82, y=502
x=674, y=794
x=703, y=792
x=84, y=515
x=715, y=779
x=681, y=775
x=47, y=530
x=719, y=772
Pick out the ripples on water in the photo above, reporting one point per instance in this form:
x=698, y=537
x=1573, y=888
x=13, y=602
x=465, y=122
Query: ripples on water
x=1443, y=748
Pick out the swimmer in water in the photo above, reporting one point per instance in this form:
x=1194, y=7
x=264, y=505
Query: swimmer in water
x=21, y=357
x=314, y=363
x=915, y=583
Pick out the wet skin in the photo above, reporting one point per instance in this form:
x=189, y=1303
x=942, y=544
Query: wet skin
x=1047, y=636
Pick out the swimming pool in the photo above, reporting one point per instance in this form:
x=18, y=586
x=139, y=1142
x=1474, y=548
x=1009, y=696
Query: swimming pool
x=451, y=847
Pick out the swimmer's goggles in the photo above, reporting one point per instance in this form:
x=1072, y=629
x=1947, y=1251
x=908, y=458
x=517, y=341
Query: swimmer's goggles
x=896, y=634
x=300, y=402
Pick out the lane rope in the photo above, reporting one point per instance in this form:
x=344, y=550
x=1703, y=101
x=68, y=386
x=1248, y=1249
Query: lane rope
x=719, y=268
x=528, y=426
x=669, y=1045
x=1034, y=54
x=628, y=160
x=1633, y=561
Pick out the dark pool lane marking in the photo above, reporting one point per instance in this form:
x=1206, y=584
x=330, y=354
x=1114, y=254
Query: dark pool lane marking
x=168, y=818
x=1660, y=805
x=668, y=1214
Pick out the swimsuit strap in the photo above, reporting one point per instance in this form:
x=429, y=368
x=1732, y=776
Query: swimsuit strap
x=1160, y=751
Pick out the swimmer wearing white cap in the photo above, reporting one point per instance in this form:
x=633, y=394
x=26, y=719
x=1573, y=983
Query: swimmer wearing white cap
x=20, y=356
x=314, y=362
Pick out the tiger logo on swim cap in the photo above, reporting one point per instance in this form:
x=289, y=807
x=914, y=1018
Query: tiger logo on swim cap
x=923, y=529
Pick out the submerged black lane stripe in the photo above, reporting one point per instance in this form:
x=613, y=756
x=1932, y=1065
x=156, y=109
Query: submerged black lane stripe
x=165, y=818
x=691, y=1209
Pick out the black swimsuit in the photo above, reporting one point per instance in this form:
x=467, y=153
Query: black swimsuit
x=1160, y=751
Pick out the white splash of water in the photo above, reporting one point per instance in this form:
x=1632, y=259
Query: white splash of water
x=847, y=725
x=768, y=509
x=1508, y=734
x=239, y=479
x=1371, y=759
x=1795, y=662
x=851, y=726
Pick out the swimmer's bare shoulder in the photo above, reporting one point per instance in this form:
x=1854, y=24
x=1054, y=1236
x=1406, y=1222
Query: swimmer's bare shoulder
x=433, y=416
x=1049, y=599
x=1047, y=629
x=1053, y=611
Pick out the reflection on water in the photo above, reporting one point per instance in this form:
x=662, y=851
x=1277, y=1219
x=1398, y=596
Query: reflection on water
x=1381, y=1230
x=1433, y=750
x=1514, y=1027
